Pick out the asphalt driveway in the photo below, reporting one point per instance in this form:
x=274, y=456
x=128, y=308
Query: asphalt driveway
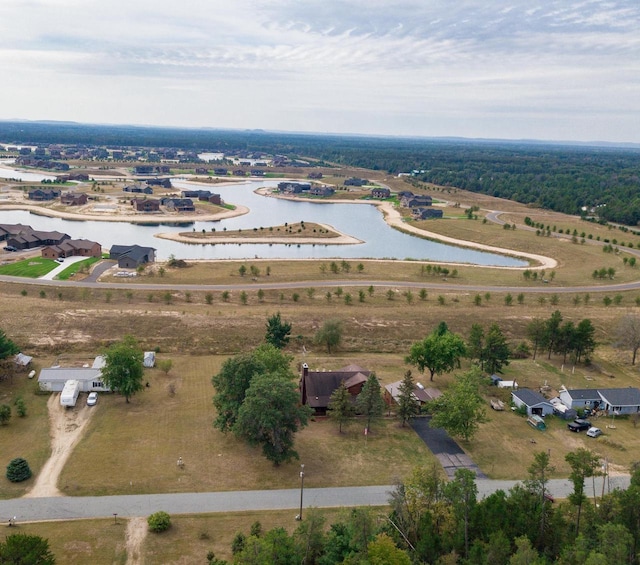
x=444, y=447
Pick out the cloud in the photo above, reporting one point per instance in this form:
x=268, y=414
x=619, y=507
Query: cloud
x=369, y=55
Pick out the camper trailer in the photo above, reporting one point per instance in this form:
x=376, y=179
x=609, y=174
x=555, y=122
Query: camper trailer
x=70, y=393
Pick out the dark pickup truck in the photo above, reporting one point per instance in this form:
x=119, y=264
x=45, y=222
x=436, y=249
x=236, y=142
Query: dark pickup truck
x=579, y=425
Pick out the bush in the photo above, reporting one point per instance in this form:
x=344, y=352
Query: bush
x=159, y=521
x=18, y=470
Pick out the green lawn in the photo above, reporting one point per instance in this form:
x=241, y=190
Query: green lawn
x=31, y=268
x=73, y=269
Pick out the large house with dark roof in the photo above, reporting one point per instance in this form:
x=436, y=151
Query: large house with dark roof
x=618, y=400
x=316, y=387
x=132, y=256
x=30, y=238
x=43, y=194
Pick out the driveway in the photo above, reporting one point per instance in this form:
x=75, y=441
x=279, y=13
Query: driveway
x=444, y=447
x=61, y=267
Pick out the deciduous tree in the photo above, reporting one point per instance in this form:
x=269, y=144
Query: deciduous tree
x=270, y=415
x=439, y=352
x=460, y=410
x=330, y=334
x=124, y=367
x=628, y=335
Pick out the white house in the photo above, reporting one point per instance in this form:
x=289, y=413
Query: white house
x=536, y=404
x=620, y=400
x=53, y=379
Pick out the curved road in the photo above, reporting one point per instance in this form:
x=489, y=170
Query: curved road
x=128, y=506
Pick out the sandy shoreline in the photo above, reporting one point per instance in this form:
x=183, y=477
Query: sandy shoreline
x=391, y=216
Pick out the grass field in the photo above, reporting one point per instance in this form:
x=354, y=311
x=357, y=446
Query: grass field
x=30, y=268
x=157, y=427
x=26, y=437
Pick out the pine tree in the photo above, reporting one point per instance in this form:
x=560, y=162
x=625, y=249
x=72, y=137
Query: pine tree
x=369, y=402
x=407, y=404
x=340, y=406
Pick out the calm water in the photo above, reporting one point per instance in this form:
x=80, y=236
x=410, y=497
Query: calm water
x=361, y=221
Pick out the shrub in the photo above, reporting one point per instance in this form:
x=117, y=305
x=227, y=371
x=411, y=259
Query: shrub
x=159, y=521
x=18, y=470
x=5, y=414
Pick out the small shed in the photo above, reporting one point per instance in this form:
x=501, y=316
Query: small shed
x=495, y=379
x=22, y=360
x=149, y=360
x=535, y=403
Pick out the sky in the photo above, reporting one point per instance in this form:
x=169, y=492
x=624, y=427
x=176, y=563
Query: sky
x=551, y=70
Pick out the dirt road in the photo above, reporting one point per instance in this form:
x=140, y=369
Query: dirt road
x=66, y=428
x=136, y=532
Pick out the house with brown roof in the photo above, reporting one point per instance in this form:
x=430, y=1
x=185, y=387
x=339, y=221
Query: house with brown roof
x=73, y=198
x=145, y=205
x=30, y=238
x=380, y=192
x=316, y=387
x=73, y=248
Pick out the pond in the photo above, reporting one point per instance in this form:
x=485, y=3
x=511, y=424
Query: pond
x=364, y=222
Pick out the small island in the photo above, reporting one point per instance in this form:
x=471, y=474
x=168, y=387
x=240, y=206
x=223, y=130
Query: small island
x=298, y=232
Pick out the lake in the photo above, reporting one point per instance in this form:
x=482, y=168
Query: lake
x=364, y=222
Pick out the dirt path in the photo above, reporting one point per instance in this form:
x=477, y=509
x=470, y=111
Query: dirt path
x=136, y=533
x=66, y=428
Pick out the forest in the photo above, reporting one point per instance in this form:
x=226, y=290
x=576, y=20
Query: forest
x=588, y=180
x=445, y=522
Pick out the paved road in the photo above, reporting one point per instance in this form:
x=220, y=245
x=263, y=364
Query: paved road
x=451, y=456
x=127, y=506
x=255, y=285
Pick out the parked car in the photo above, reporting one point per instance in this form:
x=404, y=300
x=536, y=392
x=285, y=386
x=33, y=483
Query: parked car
x=92, y=399
x=594, y=432
x=579, y=425
x=10, y=248
x=60, y=260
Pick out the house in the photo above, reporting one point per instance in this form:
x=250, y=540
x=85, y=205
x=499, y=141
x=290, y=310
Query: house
x=426, y=213
x=7, y=230
x=620, y=400
x=43, y=194
x=73, y=198
x=178, y=204
x=580, y=398
x=137, y=189
x=221, y=171
x=416, y=201
x=212, y=198
x=420, y=394
x=132, y=256
x=293, y=187
x=202, y=171
x=380, y=193
x=316, y=387
x=323, y=191
x=73, y=248
x=30, y=238
x=535, y=403
x=53, y=379
x=145, y=205
x=354, y=181
x=314, y=175
x=161, y=182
